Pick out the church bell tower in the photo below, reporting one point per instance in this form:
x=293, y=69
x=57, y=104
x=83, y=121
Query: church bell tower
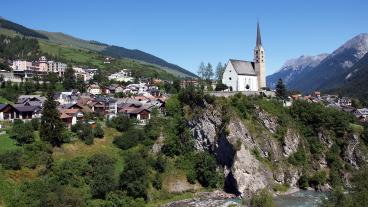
x=259, y=61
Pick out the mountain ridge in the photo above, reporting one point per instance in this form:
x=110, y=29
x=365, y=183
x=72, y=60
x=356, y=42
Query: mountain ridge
x=61, y=38
x=330, y=72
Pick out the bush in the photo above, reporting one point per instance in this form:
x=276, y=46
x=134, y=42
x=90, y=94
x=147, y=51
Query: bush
x=35, y=123
x=22, y=132
x=121, y=123
x=205, y=168
x=318, y=179
x=98, y=131
x=299, y=158
x=157, y=182
x=130, y=139
x=102, y=178
x=134, y=178
x=11, y=160
x=262, y=198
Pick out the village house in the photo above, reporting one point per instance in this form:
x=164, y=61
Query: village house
x=361, y=114
x=122, y=76
x=8, y=112
x=94, y=89
x=140, y=112
x=105, y=106
x=71, y=116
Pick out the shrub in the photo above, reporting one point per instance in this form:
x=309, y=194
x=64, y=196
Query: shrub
x=22, y=132
x=134, y=178
x=157, y=182
x=262, y=198
x=11, y=160
x=35, y=123
x=205, y=168
x=121, y=123
x=98, y=131
x=129, y=139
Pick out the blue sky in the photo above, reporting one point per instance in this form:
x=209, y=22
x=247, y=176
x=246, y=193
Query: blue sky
x=187, y=32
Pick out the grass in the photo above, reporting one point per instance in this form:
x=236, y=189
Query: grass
x=4, y=100
x=358, y=129
x=71, y=54
x=6, y=143
x=7, y=188
x=79, y=149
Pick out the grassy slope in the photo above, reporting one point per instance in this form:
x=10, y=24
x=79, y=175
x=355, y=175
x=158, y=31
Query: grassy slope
x=64, y=39
x=6, y=143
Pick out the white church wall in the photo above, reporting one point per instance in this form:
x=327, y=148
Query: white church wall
x=247, y=83
x=230, y=77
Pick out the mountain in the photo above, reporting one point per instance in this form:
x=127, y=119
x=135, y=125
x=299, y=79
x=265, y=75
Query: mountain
x=57, y=38
x=356, y=81
x=294, y=68
x=331, y=72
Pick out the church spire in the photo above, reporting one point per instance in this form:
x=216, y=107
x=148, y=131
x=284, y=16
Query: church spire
x=259, y=40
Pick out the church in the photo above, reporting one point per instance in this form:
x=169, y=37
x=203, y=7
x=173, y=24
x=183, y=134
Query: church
x=240, y=75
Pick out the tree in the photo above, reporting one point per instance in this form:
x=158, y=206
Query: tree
x=80, y=85
x=219, y=71
x=23, y=133
x=51, y=125
x=69, y=81
x=98, y=131
x=201, y=70
x=262, y=198
x=102, y=176
x=281, y=91
x=208, y=74
x=134, y=178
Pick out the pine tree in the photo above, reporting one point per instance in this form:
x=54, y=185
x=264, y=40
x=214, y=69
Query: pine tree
x=80, y=85
x=281, y=91
x=69, y=79
x=52, y=127
x=219, y=71
x=201, y=70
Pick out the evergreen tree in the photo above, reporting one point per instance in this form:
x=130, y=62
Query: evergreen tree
x=208, y=74
x=69, y=79
x=51, y=125
x=281, y=91
x=80, y=85
x=219, y=71
x=201, y=70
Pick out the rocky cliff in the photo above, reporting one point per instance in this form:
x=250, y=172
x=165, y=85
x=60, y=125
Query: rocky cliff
x=246, y=158
x=252, y=157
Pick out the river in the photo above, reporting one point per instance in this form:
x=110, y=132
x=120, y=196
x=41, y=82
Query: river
x=301, y=198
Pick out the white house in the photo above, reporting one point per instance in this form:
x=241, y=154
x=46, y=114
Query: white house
x=94, y=89
x=240, y=75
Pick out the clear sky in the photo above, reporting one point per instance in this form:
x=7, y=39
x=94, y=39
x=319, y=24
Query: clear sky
x=186, y=32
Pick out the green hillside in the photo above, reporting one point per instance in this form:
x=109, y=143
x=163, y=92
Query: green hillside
x=92, y=53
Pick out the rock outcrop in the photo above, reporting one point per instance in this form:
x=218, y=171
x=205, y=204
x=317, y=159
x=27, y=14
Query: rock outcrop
x=267, y=120
x=240, y=154
x=291, y=142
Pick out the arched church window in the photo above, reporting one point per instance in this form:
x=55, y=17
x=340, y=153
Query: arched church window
x=247, y=87
x=230, y=78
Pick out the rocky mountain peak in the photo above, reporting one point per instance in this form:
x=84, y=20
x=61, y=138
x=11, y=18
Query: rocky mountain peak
x=359, y=43
x=303, y=61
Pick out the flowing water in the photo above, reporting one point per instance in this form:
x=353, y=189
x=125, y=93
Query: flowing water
x=300, y=199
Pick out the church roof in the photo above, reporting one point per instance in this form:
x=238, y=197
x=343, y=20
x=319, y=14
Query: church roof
x=259, y=40
x=243, y=67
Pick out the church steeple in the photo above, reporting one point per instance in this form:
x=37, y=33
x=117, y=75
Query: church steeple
x=259, y=40
x=259, y=60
